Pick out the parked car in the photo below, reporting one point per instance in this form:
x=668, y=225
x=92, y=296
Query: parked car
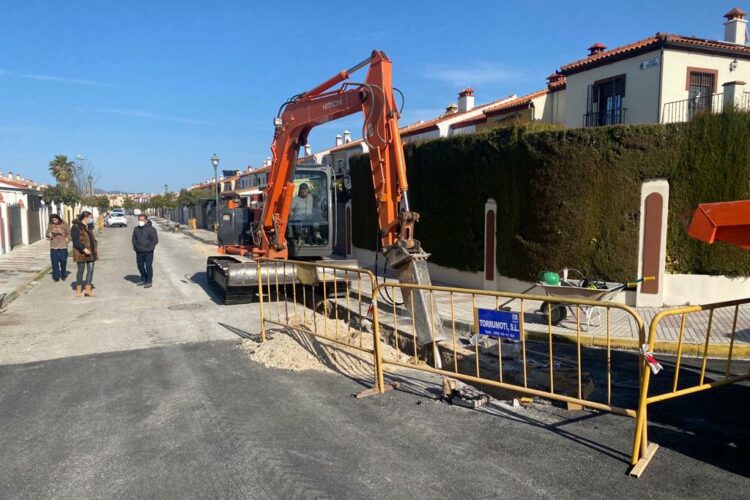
x=116, y=219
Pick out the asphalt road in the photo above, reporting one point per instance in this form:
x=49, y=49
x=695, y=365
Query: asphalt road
x=143, y=393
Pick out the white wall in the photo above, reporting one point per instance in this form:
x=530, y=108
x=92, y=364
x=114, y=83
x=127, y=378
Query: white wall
x=471, y=129
x=430, y=134
x=676, y=65
x=554, y=108
x=641, y=99
x=690, y=289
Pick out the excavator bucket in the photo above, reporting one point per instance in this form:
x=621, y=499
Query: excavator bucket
x=727, y=222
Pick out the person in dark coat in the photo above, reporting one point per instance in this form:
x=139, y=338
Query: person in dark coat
x=145, y=240
x=84, y=252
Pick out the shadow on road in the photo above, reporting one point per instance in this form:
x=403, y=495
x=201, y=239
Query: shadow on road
x=255, y=337
x=201, y=279
x=133, y=278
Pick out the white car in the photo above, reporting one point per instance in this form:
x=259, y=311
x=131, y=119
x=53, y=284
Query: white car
x=117, y=219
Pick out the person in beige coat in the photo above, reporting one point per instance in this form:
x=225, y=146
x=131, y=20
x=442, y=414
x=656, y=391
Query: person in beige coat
x=58, y=235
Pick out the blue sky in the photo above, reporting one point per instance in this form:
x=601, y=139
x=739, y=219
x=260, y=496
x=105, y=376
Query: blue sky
x=147, y=91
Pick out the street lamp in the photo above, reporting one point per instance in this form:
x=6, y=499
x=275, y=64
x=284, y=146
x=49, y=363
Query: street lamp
x=166, y=188
x=91, y=185
x=215, y=163
x=79, y=179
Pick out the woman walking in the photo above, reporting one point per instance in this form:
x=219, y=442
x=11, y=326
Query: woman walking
x=58, y=235
x=84, y=252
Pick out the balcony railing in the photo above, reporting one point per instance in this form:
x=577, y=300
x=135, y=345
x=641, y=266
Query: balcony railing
x=601, y=118
x=687, y=109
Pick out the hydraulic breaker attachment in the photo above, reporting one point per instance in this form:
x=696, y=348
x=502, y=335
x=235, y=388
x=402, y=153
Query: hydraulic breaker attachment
x=411, y=267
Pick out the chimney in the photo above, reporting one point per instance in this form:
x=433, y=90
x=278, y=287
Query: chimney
x=735, y=29
x=339, y=140
x=347, y=137
x=308, y=150
x=451, y=108
x=465, y=100
x=596, y=48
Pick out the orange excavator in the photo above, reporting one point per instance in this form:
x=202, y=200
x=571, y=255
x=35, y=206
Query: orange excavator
x=246, y=234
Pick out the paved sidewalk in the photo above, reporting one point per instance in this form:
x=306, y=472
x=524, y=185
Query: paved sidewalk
x=204, y=235
x=21, y=267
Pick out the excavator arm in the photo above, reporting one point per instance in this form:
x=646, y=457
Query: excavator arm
x=374, y=98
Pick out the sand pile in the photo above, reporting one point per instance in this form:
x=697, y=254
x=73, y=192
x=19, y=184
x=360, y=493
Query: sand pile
x=294, y=349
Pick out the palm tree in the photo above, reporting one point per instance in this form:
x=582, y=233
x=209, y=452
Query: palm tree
x=61, y=169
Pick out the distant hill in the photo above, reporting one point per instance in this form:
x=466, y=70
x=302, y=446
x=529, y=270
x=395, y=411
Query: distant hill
x=104, y=191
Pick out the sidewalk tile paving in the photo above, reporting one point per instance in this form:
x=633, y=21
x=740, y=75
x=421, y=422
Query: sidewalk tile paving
x=23, y=264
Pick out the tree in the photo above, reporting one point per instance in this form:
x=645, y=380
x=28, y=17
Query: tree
x=83, y=170
x=55, y=195
x=62, y=169
x=187, y=198
x=128, y=203
x=102, y=202
x=169, y=200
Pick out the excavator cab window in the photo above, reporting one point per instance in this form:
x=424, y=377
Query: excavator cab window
x=308, y=219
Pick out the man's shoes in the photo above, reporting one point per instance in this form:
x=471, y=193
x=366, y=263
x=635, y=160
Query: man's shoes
x=55, y=279
x=147, y=285
x=140, y=283
x=64, y=277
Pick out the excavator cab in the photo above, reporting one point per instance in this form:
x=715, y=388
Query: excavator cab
x=309, y=230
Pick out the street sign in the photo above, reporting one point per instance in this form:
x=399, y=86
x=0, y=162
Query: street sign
x=498, y=324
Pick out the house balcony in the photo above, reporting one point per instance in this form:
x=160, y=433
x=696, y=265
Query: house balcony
x=687, y=109
x=601, y=118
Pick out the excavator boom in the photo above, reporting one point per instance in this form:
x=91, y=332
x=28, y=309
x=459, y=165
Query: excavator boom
x=336, y=98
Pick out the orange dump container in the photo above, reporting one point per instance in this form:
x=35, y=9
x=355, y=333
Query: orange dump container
x=728, y=222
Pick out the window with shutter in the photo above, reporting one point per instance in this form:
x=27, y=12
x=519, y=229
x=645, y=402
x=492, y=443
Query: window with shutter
x=604, y=102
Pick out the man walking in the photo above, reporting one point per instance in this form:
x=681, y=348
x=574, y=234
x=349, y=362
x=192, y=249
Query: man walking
x=144, y=243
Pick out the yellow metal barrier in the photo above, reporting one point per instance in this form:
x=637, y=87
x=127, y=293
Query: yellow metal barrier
x=553, y=369
x=326, y=300
x=705, y=318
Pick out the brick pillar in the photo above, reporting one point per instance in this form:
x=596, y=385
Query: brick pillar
x=490, y=244
x=652, y=251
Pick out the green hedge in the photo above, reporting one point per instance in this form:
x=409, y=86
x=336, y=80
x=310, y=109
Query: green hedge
x=568, y=197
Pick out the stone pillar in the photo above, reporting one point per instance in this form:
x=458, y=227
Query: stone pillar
x=490, y=244
x=4, y=232
x=733, y=94
x=24, y=222
x=652, y=250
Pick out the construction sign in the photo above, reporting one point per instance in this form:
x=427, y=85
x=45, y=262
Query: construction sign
x=498, y=324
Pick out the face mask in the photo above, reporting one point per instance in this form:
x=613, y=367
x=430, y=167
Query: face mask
x=91, y=223
x=141, y=223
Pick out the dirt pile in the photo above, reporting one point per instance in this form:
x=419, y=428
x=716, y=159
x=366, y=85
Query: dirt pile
x=295, y=349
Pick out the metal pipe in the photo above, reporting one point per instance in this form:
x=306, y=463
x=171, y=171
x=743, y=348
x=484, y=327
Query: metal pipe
x=359, y=65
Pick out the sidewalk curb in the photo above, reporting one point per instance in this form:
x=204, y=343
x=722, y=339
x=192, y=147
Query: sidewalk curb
x=670, y=347
x=23, y=286
x=663, y=347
